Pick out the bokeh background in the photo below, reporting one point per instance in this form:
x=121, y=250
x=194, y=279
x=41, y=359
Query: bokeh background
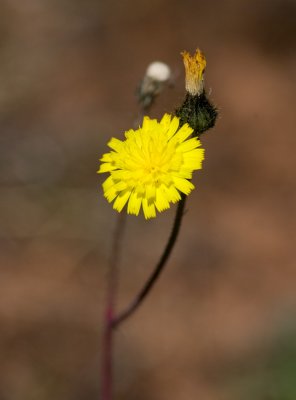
x=220, y=324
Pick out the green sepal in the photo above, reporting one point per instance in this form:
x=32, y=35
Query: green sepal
x=198, y=112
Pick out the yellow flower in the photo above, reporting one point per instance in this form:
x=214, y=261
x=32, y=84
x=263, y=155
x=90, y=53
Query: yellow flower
x=194, y=70
x=151, y=167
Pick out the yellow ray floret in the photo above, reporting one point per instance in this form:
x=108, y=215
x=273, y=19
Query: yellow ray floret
x=151, y=166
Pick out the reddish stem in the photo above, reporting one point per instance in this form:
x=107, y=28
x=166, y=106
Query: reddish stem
x=112, y=281
x=107, y=357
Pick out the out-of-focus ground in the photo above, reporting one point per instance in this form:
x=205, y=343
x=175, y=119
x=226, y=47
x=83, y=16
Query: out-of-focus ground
x=220, y=323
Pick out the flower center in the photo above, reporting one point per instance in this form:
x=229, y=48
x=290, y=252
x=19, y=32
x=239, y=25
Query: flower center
x=154, y=166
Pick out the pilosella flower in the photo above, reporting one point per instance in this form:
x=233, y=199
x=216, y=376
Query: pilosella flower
x=151, y=167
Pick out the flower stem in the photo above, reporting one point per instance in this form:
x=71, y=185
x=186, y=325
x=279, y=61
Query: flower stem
x=112, y=286
x=112, y=282
x=138, y=300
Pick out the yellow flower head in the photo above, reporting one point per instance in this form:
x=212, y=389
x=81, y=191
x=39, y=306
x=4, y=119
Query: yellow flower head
x=194, y=70
x=151, y=166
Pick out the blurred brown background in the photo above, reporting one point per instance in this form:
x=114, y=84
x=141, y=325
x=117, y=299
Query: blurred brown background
x=220, y=323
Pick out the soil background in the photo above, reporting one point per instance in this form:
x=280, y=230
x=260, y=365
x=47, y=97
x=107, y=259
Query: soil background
x=220, y=323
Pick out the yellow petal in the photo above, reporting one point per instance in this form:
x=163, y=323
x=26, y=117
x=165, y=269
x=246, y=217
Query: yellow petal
x=183, y=185
x=121, y=200
x=148, y=209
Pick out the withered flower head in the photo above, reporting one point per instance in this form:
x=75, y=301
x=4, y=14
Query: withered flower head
x=194, y=70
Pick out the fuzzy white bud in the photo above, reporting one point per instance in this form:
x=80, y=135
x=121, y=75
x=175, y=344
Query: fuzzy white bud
x=158, y=71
